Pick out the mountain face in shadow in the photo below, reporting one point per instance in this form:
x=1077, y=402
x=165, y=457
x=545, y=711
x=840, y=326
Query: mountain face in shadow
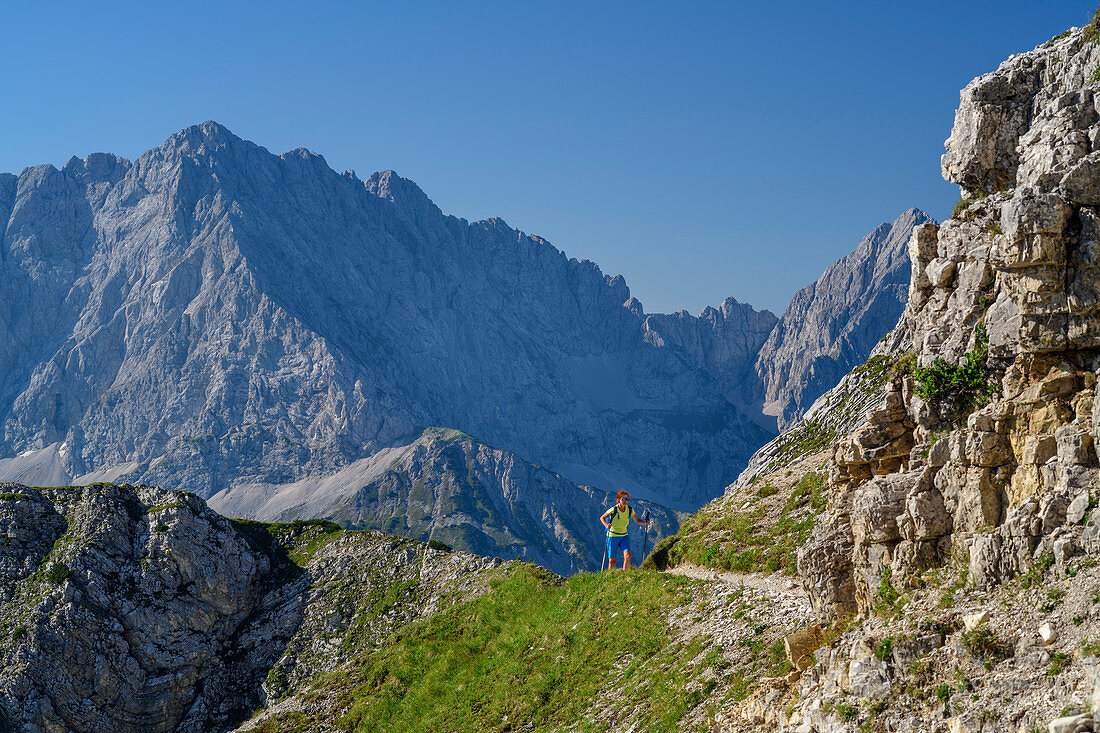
x=213, y=315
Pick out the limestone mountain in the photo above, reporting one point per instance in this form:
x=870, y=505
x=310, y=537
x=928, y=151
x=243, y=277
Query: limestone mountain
x=725, y=341
x=217, y=317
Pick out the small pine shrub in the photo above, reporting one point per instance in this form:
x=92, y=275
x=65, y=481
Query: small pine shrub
x=57, y=573
x=889, y=600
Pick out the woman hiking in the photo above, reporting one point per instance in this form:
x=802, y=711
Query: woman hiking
x=617, y=520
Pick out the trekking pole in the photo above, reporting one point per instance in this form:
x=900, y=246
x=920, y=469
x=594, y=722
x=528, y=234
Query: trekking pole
x=604, y=558
x=646, y=535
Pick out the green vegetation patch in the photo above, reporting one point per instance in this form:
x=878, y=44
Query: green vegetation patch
x=57, y=573
x=535, y=649
x=963, y=387
x=13, y=497
x=888, y=601
x=296, y=541
x=721, y=537
x=984, y=643
x=1059, y=662
x=803, y=440
x=1092, y=30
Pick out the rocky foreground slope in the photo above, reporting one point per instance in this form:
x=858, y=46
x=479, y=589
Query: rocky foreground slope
x=137, y=609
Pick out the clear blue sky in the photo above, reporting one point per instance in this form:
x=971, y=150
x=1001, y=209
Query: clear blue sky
x=701, y=149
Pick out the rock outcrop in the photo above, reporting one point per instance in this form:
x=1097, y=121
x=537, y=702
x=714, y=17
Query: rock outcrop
x=956, y=563
x=988, y=441
x=137, y=609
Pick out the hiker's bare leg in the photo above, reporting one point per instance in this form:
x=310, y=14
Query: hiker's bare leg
x=611, y=564
x=626, y=559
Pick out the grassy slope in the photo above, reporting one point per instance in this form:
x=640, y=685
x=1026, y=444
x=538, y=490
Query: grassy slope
x=592, y=652
x=758, y=528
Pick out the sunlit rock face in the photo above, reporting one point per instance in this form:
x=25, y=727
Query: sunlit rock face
x=997, y=473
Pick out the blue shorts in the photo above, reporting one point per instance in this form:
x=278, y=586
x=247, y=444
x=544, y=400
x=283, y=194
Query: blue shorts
x=615, y=544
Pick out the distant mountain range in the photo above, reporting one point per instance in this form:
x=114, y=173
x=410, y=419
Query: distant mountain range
x=277, y=337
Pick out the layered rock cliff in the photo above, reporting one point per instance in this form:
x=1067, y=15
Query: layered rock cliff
x=989, y=437
x=956, y=563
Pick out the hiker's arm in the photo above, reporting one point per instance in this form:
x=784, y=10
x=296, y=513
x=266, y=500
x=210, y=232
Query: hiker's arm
x=639, y=521
x=603, y=520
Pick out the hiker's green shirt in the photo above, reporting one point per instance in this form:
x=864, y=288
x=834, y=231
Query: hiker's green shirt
x=619, y=520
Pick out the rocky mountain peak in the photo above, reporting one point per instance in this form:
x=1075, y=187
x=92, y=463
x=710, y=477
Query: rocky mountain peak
x=209, y=135
x=408, y=198
x=263, y=321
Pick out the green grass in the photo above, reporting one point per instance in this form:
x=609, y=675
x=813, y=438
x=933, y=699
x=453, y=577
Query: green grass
x=984, y=643
x=803, y=440
x=1059, y=661
x=535, y=649
x=300, y=539
x=724, y=538
x=960, y=207
x=885, y=648
x=765, y=491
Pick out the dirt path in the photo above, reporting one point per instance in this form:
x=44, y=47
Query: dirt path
x=775, y=583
